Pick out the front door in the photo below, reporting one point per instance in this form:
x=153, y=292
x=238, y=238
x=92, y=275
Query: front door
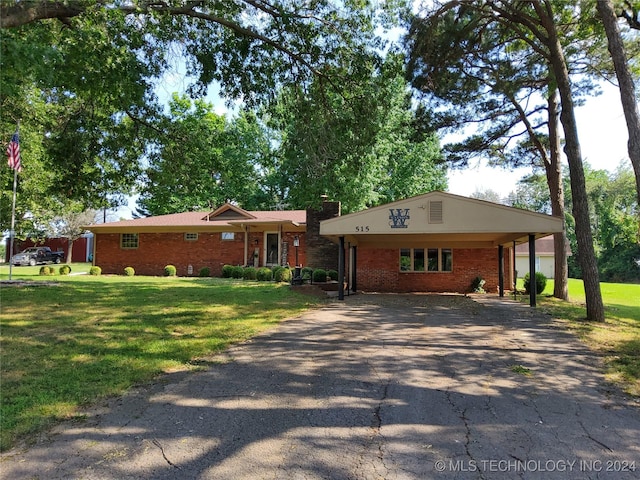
x=272, y=249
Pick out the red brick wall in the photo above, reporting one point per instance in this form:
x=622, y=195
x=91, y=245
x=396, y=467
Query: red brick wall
x=378, y=270
x=156, y=250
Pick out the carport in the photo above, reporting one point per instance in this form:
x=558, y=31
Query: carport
x=429, y=232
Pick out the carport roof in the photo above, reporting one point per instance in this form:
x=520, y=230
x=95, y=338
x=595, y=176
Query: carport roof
x=439, y=219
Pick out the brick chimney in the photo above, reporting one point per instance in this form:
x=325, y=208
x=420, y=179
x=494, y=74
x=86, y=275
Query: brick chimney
x=321, y=252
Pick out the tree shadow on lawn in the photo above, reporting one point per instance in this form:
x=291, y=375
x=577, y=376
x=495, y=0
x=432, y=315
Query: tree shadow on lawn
x=377, y=385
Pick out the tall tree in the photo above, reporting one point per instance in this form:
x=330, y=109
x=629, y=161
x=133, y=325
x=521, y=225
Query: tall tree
x=626, y=84
x=201, y=160
x=94, y=64
x=361, y=148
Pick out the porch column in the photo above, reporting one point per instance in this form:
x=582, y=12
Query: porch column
x=246, y=245
x=532, y=270
x=501, y=270
x=354, y=268
x=341, y=270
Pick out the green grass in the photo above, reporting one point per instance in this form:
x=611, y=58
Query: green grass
x=70, y=340
x=617, y=339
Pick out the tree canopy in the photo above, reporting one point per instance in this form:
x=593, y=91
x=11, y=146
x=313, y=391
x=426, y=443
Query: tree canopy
x=79, y=77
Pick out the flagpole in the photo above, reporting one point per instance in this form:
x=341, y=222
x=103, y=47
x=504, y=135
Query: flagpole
x=12, y=233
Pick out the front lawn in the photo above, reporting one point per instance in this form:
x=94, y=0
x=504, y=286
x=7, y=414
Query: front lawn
x=69, y=340
x=617, y=339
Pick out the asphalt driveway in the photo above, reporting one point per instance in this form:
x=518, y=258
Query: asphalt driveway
x=375, y=387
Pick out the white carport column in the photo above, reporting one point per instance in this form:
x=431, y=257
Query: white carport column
x=341, y=269
x=532, y=271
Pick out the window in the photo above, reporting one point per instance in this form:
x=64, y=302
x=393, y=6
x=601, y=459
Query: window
x=436, y=260
x=129, y=240
x=412, y=259
x=190, y=237
x=228, y=235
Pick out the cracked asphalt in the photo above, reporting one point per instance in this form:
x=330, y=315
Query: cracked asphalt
x=375, y=387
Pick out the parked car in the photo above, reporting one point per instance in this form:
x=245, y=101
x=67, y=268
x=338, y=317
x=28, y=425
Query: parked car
x=35, y=255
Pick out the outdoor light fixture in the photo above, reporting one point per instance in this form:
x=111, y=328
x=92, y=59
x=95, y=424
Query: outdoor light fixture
x=296, y=243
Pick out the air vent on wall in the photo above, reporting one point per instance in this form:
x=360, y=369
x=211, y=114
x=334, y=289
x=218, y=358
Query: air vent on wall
x=435, y=211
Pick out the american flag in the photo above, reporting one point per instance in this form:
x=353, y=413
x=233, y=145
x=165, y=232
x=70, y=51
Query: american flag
x=13, y=150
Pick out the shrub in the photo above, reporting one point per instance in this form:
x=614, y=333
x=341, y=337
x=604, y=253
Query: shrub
x=319, y=275
x=170, y=271
x=275, y=271
x=477, y=285
x=283, y=274
x=64, y=270
x=264, y=274
x=46, y=271
x=129, y=271
x=95, y=270
x=237, y=272
x=541, y=282
x=306, y=273
x=333, y=275
x=250, y=273
x=204, y=272
x=227, y=271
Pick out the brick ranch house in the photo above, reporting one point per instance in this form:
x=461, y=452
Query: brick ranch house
x=193, y=240
x=436, y=242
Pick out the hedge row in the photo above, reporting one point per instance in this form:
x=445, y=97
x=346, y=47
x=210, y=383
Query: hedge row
x=262, y=274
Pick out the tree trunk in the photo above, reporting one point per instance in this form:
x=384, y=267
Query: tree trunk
x=586, y=252
x=554, y=180
x=69, y=251
x=627, y=87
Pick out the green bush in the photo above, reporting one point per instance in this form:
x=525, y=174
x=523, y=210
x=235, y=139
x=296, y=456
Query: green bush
x=306, y=273
x=250, y=273
x=319, y=275
x=64, y=270
x=204, y=272
x=275, y=271
x=170, y=271
x=333, y=275
x=541, y=283
x=237, y=272
x=283, y=274
x=129, y=271
x=95, y=270
x=264, y=274
x=46, y=271
x=227, y=271
x=477, y=285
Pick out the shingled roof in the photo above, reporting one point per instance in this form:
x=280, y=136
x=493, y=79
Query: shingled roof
x=227, y=217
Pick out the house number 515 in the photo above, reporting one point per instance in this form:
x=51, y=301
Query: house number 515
x=362, y=228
